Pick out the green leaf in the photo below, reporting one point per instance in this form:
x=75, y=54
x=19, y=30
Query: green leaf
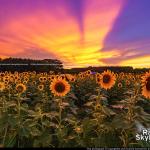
x=89, y=104
x=35, y=132
x=10, y=140
x=108, y=111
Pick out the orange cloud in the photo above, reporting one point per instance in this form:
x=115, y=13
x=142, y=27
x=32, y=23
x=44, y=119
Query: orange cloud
x=138, y=62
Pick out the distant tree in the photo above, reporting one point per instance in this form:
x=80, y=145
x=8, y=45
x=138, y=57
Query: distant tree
x=30, y=65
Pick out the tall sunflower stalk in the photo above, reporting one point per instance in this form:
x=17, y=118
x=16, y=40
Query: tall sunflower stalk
x=60, y=88
x=20, y=88
x=60, y=119
x=4, y=110
x=131, y=115
x=60, y=127
x=99, y=111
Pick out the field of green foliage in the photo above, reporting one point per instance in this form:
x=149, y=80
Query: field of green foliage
x=73, y=110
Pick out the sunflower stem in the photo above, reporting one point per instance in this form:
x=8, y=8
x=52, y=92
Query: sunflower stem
x=6, y=128
x=60, y=121
x=18, y=101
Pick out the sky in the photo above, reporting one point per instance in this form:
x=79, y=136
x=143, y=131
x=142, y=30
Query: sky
x=80, y=33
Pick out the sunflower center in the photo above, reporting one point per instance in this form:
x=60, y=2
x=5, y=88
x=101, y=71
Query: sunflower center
x=40, y=87
x=60, y=87
x=148, y=84
x=20, y=89
x=106, y=78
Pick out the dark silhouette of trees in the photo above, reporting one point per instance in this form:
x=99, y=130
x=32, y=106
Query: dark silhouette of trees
x=116, y=69
x=20, y=65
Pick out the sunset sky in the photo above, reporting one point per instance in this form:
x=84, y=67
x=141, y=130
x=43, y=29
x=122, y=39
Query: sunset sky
x=78, y=32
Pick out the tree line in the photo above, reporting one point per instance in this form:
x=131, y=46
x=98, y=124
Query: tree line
x=46, y=65
x=21, y=65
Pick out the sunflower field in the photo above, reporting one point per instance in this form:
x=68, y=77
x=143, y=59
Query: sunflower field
x=88, y=109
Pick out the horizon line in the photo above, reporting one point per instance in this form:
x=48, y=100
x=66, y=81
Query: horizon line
x=69, y=66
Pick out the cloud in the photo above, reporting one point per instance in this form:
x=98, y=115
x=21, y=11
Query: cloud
x=142, y=61
x=129, y=35
x=34, y=53
x=120, y=56
x=48, y=28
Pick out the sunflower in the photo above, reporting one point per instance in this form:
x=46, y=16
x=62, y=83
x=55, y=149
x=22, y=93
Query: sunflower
x=11, y=79
x=57, y=76
x=70, y=78
x=62, y=76
x=16, y=73
x=81, y=76
x=6, y=72
x=51, y=72
x=73, y=79
x=133, y=78
x=8, y=87
x=41, y=79
x=20, y=88
x=16, y=77
x=52, y=77
x=25, y=73
x=59, y=87
x=25, y=82
x=49, y=78
x=146, y=85
x=88, y=72
x=6, y=78
x=41, y=87
x=26, y=79
x=78, y=130
x=6, y=82
x=2, y=74
x=98, y=79
x=34, y=72
x=34, y=82
x=2, y=86
x=128, y=82
x=121, y=74
x=45, y=73
x=44, y=79
x=116, y=75
x=98, y=75
x=120, y=85
x=18, y=81
x=107, y=79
